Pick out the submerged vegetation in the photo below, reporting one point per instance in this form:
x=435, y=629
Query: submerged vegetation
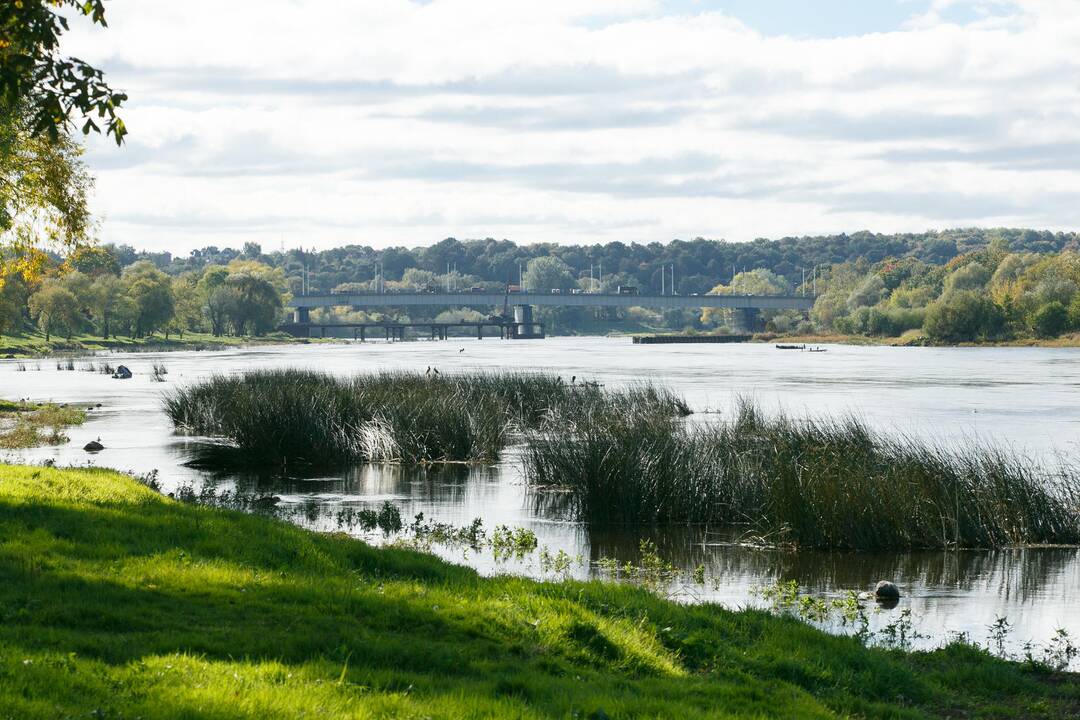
x=299, y=417
x=119, y=602
x=808, y=483
x=25, y=425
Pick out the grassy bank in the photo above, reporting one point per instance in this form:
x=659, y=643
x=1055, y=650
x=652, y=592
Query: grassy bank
x=35, y=345
x=299, y=417
x=818, y=484
x=118, y=602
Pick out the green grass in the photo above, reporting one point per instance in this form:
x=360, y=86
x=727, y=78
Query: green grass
x=120, y=603
x=306, y=418
x=809, y=483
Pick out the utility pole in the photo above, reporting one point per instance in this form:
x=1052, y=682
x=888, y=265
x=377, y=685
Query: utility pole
x=601, y=281
x=803, y=281
x=663, y=278
x=815, y=281
x=673, y=290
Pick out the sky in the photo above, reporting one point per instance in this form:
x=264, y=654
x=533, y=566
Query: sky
x=320, y=123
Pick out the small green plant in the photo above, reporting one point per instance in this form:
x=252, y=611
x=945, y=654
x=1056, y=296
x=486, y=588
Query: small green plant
x=699, y=574
x=998, y=635
x=900, y=633
x=516, y=543
x=560, y=564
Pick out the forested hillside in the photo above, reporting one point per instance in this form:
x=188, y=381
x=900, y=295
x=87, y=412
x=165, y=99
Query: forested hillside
x=699, y=264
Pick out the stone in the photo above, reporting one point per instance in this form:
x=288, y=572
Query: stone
x=122, y=373
x=887, y=591
x=93, y=446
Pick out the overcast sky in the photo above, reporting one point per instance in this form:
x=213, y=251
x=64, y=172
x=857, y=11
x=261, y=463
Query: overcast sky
x=388, y=122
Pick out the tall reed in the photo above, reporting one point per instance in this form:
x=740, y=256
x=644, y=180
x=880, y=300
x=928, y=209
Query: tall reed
x=282, y=417
x=811, y=483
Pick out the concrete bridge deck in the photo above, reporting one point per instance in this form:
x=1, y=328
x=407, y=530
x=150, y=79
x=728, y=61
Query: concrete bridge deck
x=662, y=302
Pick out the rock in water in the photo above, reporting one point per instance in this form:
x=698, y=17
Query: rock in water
x=93, y=446
x=886, y=591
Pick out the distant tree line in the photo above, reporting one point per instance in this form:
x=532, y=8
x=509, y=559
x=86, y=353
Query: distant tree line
x=699, y=264
x=952, y=285
x=90, y=292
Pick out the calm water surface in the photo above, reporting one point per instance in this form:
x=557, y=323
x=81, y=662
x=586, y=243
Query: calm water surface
x=1026, y=398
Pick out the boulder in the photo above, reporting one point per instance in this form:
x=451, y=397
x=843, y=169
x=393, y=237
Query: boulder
x=122, y=373
x=93, y=446
x=886, y=591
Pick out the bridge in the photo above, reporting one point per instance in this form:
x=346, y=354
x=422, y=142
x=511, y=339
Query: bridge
x=747, y=306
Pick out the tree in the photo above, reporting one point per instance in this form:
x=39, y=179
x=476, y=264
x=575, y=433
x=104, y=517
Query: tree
x=43, y=197
x=187, y=305
x=53, y=88
x=868, y=293
x=459, y=315
x=254, y=303
x=218, y=307
x=1050, y=320
x=12, y=304
x=107, y=300
x=972, y=276
x=963, y=316
x=417, y=279
x=151, y=290
x=93, y=261
x=54, y=307
x=548, y=273
x=213, y=276
x=755, y=282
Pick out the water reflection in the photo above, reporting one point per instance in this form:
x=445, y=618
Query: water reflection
x=946, y=591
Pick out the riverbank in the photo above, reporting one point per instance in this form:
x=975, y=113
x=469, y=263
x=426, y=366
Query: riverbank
x=35, y=345
x=914, y=339
x=121, y=602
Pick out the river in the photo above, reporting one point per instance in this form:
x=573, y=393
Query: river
x=1025, y=398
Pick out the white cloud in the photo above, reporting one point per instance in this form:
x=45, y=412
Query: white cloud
x=387, y=121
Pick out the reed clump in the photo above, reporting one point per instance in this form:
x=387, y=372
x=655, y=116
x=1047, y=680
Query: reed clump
x=300, y=417
x=829, y=483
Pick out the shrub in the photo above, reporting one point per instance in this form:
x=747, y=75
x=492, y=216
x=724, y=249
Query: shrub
x=963, y=316
x=1050, y=320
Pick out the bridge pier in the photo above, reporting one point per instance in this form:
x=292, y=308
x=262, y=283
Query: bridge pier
x=748, y=319
x=524, y=326
x=302, y=315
